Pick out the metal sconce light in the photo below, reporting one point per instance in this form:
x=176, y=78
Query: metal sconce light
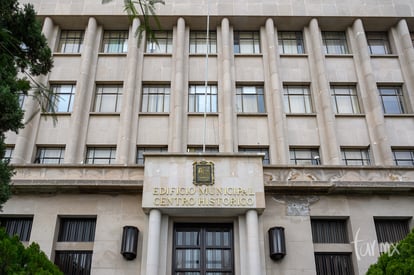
x=129, y=242
x=277, y=245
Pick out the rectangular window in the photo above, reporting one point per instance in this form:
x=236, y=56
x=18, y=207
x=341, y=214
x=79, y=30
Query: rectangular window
x=329, y=231
x=70, y=41
x=161, y=43
x=378, y=43
x=335, y=43
x=250, y=99
x=392, y=99
x=100, y=155
x=352, y=156
x=199, y=149
x=345, y=99
x=108, y=98
x=391, y=230
x=246, y=42
x=403, y=157
x=198, y=42
x=62, y=98
x=265, y=151
x=20, y=226
x=297, y=99
x=22, y=98
x=115, y=42
x=75, y=259
x=304, y=156
x=52, y=155
x=155, y=149
x=8, y=154
x=155, y=98
x=291, y=43
x=333, y=263
x=202, y=98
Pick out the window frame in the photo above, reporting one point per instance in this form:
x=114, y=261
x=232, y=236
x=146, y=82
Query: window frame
x=304, y=99
x=399, y=160
x=17, y=225
x=110, y=159
x=198, y=40
x=328, y=231
x=140, y=160
x=74, y=36
x=253, y=150
x=241, y=45
x=334, y=263
x=161, y=98
x=43, y=158
x=55, y=99
x=398, y=101
x=335, y=43
x=161, y=43
x=245, y=98
x=298, y=47
x=199, y=94
x=313, y=159
x=8, y=154
x=102, y=97
x=382, y=40
x=199, y=149
x=365, y=156
x=115, y=41
x=351, y=99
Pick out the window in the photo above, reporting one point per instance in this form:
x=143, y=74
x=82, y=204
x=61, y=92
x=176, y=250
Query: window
x=70, y=41
x=333, y=263
x=115, y=42
x=246, y=42
x=329, y=231
x=76, y=257
x=164, y=40
x=290, y=43
x=392, y=99
x=198, y=42
x=335, y=43
x=351, y=156
x=203, y=249
x=22, y=98
x=199, y=149
x=108, y=98
x=155, y=98
x=403, y=157
x=265, y=151
x=141, y=150
x=100, y=155
x=378, y=43
x=304, y=156
x=20, y=226
x=345, y=99
x=297, y=99
x=390, y=231
x=202, y=98
x=8, y=153
x=250, y=99
x=53, y=155
x=62, y=99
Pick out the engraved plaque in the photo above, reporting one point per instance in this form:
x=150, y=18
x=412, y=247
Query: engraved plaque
x=203, y=173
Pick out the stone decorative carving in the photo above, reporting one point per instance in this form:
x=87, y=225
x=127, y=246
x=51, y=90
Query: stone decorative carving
x=297, y=205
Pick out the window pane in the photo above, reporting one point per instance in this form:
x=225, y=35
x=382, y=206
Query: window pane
x=290, y=42
x=155, y=98
x=70, y=41
x=329, y=231
x=77, y=230
x=164, y=40
x=50, y=155
x=404, y=157
x=100, y=155
x=198, y=40
x=378, y=43
x=74, y=262
x=391, y=230
x=246, y=42
x=187, y=258
x=62, y=98
x=335, y=42
x=142, y=150
x=329, y=264
x=115, y=42
x=21, y=227
x=392, y=100
x=355, y=156
x=108, y=98
x=345, y=100
x=250, y=99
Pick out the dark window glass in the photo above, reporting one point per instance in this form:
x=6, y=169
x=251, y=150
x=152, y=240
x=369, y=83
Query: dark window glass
x=329, y=231
x=392, y=100
x=21, y=227
x=333, y=264
x=74, y=262
x=391, y=230
x=77, y=230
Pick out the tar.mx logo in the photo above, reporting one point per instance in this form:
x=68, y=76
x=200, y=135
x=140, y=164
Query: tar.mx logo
x=365, y=248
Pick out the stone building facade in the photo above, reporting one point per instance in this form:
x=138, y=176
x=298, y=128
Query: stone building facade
x=298, y=121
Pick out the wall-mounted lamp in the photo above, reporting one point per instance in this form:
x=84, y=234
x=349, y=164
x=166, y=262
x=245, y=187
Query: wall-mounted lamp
x=129, y=242
x=277, y=245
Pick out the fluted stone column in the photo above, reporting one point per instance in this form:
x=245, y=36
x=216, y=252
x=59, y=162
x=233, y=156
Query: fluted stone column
x=326, y=119
x=129, y=112
x=276, y=115
x=153, y=246
x=227, y=109
x=405, y=52
x=75, y=147
x=252, y=222
x=380, y=146
x=25, y=142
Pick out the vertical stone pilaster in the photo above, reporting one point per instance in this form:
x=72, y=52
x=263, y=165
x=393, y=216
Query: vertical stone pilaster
x=75, y=147
x=380, y=147
x=177, y=115
x=26, y=140
x=153, y=246
x=252, y=222
x=278, y=150
x=129, y=113
x=321, y=93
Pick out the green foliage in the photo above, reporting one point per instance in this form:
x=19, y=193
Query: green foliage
x=399, y=261
x=23, y=54
x=16, y=259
